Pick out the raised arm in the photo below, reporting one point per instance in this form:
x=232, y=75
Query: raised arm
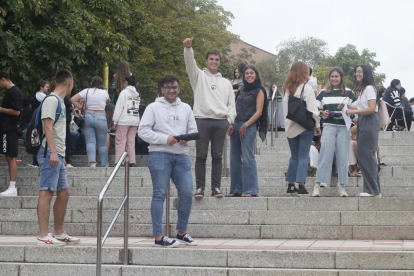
x=190, y=63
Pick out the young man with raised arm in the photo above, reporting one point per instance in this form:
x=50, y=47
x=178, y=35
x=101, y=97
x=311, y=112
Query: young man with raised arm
x=214, y=110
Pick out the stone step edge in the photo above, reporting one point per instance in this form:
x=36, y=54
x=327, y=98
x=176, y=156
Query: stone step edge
x=226, y=258
x=45, y=269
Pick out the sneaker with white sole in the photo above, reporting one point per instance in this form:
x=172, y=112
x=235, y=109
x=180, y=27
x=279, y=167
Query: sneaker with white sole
x=32, y=166
x=341, y=190
x=49, y=240
x=66, y=238
x=69, y=166
x=9, y=192
x=167, y=242
x=316, y=192
x=369, y=195
x=323, y=185
x=187, y=239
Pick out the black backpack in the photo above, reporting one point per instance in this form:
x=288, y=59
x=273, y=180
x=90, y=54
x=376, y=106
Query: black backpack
x=34, y=133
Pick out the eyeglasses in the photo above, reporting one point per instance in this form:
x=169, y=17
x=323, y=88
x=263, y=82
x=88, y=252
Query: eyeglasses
x=171, y=88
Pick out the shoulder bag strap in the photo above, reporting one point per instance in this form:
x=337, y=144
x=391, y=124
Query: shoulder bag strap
x=301, y=93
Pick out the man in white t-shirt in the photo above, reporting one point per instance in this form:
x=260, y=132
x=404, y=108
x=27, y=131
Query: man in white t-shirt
x=52, y=164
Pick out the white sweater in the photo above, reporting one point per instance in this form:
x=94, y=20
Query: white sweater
x=292, y=129
x=213, y=94
x=127, y=106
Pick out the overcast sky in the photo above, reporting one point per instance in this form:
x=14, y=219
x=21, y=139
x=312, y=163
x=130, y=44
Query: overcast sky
x=385, y=27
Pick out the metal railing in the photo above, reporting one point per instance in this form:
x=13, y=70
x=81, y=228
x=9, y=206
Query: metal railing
x=225, y=171
x=125, y=205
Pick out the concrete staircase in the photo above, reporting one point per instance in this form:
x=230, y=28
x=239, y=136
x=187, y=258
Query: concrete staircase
x=273, y=215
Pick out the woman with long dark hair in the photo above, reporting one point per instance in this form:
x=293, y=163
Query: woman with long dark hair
x=335, y=137
x=367, y=130
x=251, y=108
x=299, y=138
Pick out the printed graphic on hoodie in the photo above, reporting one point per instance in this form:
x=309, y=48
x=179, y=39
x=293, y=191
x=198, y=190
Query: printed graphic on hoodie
x=132, y=105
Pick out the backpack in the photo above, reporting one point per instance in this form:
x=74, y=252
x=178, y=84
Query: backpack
x=34, y=133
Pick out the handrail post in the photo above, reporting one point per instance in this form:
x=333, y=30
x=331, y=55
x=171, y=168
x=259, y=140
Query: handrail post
x=125, y=205
x=167, y=213
x=224, y=173
x=99, y=240
x=126, y=210
x=277, y=100
x=271, y=123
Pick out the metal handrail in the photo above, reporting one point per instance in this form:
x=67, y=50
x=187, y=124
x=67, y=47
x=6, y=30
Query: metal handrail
x=125, y=204
x=224, y=168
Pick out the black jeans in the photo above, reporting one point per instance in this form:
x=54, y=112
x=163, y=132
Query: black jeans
x=398, y=114
x=213, y=130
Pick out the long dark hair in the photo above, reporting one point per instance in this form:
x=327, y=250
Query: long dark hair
x=367, y=79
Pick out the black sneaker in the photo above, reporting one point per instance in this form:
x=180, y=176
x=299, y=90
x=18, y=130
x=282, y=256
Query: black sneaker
x=292, y=189
x=217, y=193
x=187, y=239
x=302, y=190
x=167, y=242
x=199, y=193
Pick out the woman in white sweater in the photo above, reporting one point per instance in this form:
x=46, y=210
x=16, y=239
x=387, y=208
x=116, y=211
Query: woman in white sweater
x=126, y=120
x=299, y=138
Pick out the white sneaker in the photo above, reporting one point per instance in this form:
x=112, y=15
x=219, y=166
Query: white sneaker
x=92, y=165
x=32, y=166
x=341, y=190
x=9, y=192
x=369, y=195
x=49, y=240
x=323, y=185
x=69, y=166
x=316, y=192
x=66, y=238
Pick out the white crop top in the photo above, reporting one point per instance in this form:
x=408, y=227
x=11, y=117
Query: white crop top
x=96, y=99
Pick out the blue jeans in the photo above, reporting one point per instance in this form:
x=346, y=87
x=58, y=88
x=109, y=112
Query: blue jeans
x=77, y=141
x=334, y=142
x=95, y=131
x=243, y=168
x=163, y=167
x=52, y=178
x=298, y=162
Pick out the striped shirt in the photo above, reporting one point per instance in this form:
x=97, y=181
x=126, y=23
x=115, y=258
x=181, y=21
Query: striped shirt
x=330, y=101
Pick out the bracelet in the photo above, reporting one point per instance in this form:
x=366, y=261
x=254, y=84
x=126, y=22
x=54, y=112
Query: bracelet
x=244, y=126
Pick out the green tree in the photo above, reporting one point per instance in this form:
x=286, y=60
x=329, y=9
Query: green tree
x=38, y=37
x=309, y=50
x=348, y=58
x=267, y=70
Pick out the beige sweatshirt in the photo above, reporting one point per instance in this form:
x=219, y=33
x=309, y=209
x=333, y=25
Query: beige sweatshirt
x=292, y=129
x=213, y=94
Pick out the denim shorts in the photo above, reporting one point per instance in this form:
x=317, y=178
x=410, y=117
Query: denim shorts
x=52, y=178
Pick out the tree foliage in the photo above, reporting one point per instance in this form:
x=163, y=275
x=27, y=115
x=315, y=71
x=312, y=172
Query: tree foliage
x=38, y=37
x=348, y=58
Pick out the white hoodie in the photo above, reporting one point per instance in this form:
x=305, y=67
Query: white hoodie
x=213, y=94
x=127, y=106
x=162, y=119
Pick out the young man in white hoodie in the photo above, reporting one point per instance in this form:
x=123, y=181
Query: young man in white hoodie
x=214, y=110
x=168, y=158
x=126, y=120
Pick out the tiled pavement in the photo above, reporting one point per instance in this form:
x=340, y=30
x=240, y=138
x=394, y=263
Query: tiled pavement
x=246, y=244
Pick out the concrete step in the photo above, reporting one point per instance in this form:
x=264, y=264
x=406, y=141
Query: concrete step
x=225, y=258
x=28, y=269
x=83, y=203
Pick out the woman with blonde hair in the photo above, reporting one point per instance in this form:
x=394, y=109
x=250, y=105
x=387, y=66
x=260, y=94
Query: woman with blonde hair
x=335, y=136
x=299, y=138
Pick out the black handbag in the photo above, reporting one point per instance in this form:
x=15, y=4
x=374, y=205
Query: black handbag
x=298, y=113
